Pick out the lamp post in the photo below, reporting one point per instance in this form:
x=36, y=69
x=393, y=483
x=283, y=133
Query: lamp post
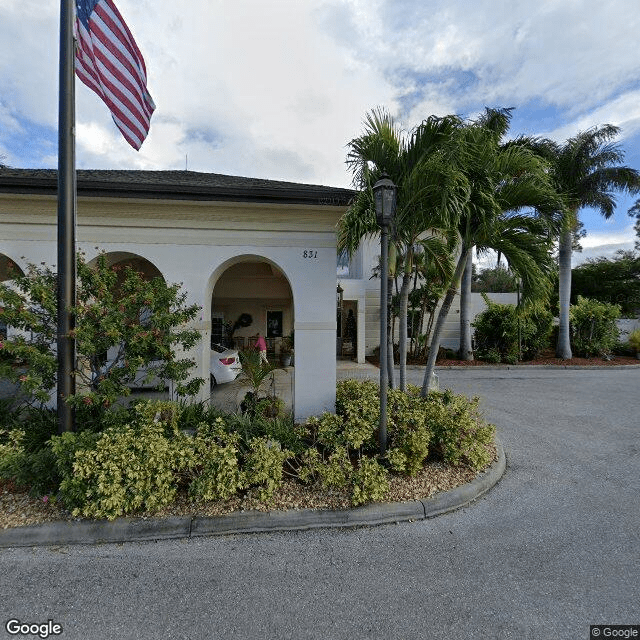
x=384, y=193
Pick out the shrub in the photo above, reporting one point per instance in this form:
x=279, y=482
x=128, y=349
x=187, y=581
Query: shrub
x=217, y=473
x=35, y=470
x=347, y=440
x=408, y=430
x=111, y=303
x=593, y=327
x=142, y=457
x=370, y=483
x=124, y=469
x=497, y=327
x=634, y=340
x=283, y=429
x=459, y=432
x=263, y=465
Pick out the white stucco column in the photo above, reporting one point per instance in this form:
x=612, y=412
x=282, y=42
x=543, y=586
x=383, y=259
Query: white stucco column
x=314, y=295
x=361, y=330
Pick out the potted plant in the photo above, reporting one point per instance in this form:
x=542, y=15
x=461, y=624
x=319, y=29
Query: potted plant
x=634, y=341
x=286, y=350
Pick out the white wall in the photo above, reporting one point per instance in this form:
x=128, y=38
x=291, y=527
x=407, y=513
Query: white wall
x=193, y=244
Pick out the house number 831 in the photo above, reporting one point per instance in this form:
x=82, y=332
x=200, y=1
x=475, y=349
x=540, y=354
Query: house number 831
x=310, y=254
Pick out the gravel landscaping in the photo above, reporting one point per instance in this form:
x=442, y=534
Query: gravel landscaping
x=18, y=509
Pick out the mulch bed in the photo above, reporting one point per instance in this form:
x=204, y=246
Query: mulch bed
x=546, y=358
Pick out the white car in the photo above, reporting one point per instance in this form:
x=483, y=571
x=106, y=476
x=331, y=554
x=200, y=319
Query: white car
x=225, y=364
x=224, y=367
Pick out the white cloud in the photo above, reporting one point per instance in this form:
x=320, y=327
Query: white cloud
x=276, y=88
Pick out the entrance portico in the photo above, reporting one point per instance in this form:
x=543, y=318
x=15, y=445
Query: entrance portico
x=219, y=236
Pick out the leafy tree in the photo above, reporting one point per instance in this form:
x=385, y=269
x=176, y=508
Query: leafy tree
x=613, y=280
x=586, y=171
x=498, y=279
x=143, y=322
x=530, y=198
x=635, y=211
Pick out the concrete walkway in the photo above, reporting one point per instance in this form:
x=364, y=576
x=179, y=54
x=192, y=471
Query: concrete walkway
x=228, y=397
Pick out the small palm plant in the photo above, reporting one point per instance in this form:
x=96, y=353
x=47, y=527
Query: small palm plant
x=255, y=373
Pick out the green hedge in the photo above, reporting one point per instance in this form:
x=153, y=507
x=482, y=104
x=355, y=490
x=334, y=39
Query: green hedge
x=497, y=327
x=145, y=456
x=594, y=331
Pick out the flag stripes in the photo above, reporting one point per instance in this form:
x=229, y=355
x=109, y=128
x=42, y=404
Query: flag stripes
x=109, y=62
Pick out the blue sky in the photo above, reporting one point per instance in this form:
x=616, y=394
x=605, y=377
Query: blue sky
x=276, y=88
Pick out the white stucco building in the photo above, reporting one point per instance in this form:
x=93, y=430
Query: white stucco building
x=237, y=245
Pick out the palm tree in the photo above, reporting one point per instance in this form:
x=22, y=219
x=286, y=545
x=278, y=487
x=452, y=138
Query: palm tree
x=503, y=179
x=496, y=122
x=586, y=171
x=430, y=190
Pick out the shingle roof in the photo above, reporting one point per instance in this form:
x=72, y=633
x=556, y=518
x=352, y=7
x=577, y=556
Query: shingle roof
x=183, y=185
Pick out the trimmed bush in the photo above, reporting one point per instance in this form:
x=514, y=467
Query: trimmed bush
x=593, y=327
x=347, y=441
x=459, y=432
x=217, y=474
x=496, y=331
x=143, y=457
x=634, y=340
x=124, y=469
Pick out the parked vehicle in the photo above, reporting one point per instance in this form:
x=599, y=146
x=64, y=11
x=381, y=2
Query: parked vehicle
x=225, y=364
x=224, y=367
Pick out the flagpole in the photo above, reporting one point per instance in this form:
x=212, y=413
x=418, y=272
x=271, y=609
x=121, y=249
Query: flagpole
x=66, y=219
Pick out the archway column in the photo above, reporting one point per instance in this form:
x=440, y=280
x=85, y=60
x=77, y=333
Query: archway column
x=315, y=368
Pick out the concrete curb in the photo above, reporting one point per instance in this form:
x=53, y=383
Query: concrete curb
x=505, y=367
x=587, y=367
x=140, y=530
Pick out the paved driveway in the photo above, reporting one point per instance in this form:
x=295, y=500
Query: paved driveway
x=553, y=548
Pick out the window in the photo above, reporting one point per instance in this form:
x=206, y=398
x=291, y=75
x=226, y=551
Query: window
x=217, y=328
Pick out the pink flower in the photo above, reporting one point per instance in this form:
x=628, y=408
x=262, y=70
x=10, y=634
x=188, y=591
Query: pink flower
x=23, y=378
x=45, y=499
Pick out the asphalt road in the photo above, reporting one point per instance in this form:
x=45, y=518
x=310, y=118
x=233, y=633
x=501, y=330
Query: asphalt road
x=553, y=548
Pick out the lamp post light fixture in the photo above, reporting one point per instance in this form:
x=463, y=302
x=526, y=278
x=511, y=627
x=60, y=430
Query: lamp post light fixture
x=384, y=193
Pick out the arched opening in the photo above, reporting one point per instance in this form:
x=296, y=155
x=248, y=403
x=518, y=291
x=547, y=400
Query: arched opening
x=120, y=261
x=252, y=296
x=123, y=259
x=8, y=271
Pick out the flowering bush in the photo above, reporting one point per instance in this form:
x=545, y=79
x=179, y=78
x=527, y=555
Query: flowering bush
x=144, y=320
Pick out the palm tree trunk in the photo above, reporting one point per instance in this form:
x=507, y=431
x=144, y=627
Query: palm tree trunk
x=442, y=316
x=563, y=348
x=466, y=349
x=390, y=334
x=402, y=338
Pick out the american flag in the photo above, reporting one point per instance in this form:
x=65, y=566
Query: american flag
x=109, y=62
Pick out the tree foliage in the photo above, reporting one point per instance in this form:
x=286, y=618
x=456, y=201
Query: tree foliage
x=587, y=171
x=498, y=279
x=141, y=323
x=613, y=280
